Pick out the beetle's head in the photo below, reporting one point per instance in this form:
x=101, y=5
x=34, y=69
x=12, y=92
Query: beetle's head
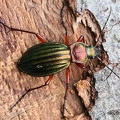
x=80, y=52
x=93, y=52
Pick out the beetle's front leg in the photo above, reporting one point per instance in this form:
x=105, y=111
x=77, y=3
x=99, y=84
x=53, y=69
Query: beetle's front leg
x=66, y=39
x=31, y=89
x=81, y=39
x=66, y=90
x=21, y=30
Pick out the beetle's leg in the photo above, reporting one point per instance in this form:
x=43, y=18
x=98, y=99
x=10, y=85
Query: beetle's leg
x=66, y=39
x=21, y=30
x=83, y=66
x=80, y=65
x=81, y=39
x=67, y=85
x=31, y=89
x=40, y=38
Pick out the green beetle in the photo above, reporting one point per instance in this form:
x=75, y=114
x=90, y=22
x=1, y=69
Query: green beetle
x=51, y=57
x=45, y=59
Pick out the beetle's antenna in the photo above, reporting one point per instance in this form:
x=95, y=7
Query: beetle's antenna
x=98, y=40
x=107, y=67
x=106, y=20
x=109, y=74
x=114, y=25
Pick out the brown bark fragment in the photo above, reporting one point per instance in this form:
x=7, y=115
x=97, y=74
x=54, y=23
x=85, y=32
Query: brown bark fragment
x=87, y=92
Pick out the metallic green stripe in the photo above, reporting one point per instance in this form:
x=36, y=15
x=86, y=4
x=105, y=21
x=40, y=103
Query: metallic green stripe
x=49, y=58
x=42, y=54
x=45, y=48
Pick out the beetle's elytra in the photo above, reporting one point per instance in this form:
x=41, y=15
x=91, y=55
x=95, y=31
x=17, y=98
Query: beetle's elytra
x=45, y=59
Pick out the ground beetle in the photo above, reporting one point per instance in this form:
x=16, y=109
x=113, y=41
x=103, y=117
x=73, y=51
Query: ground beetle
x=48, y=58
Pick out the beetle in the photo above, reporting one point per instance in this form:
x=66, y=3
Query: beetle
x=49, y=58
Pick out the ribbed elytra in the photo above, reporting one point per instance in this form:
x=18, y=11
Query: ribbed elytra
x=45, y=59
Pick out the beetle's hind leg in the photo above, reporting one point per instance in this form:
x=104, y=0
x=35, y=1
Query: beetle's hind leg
x=66, y=91
x=31, y=89
x=21, y=30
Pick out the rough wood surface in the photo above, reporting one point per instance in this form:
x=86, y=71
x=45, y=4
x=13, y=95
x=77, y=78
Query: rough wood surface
x=46, y=103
